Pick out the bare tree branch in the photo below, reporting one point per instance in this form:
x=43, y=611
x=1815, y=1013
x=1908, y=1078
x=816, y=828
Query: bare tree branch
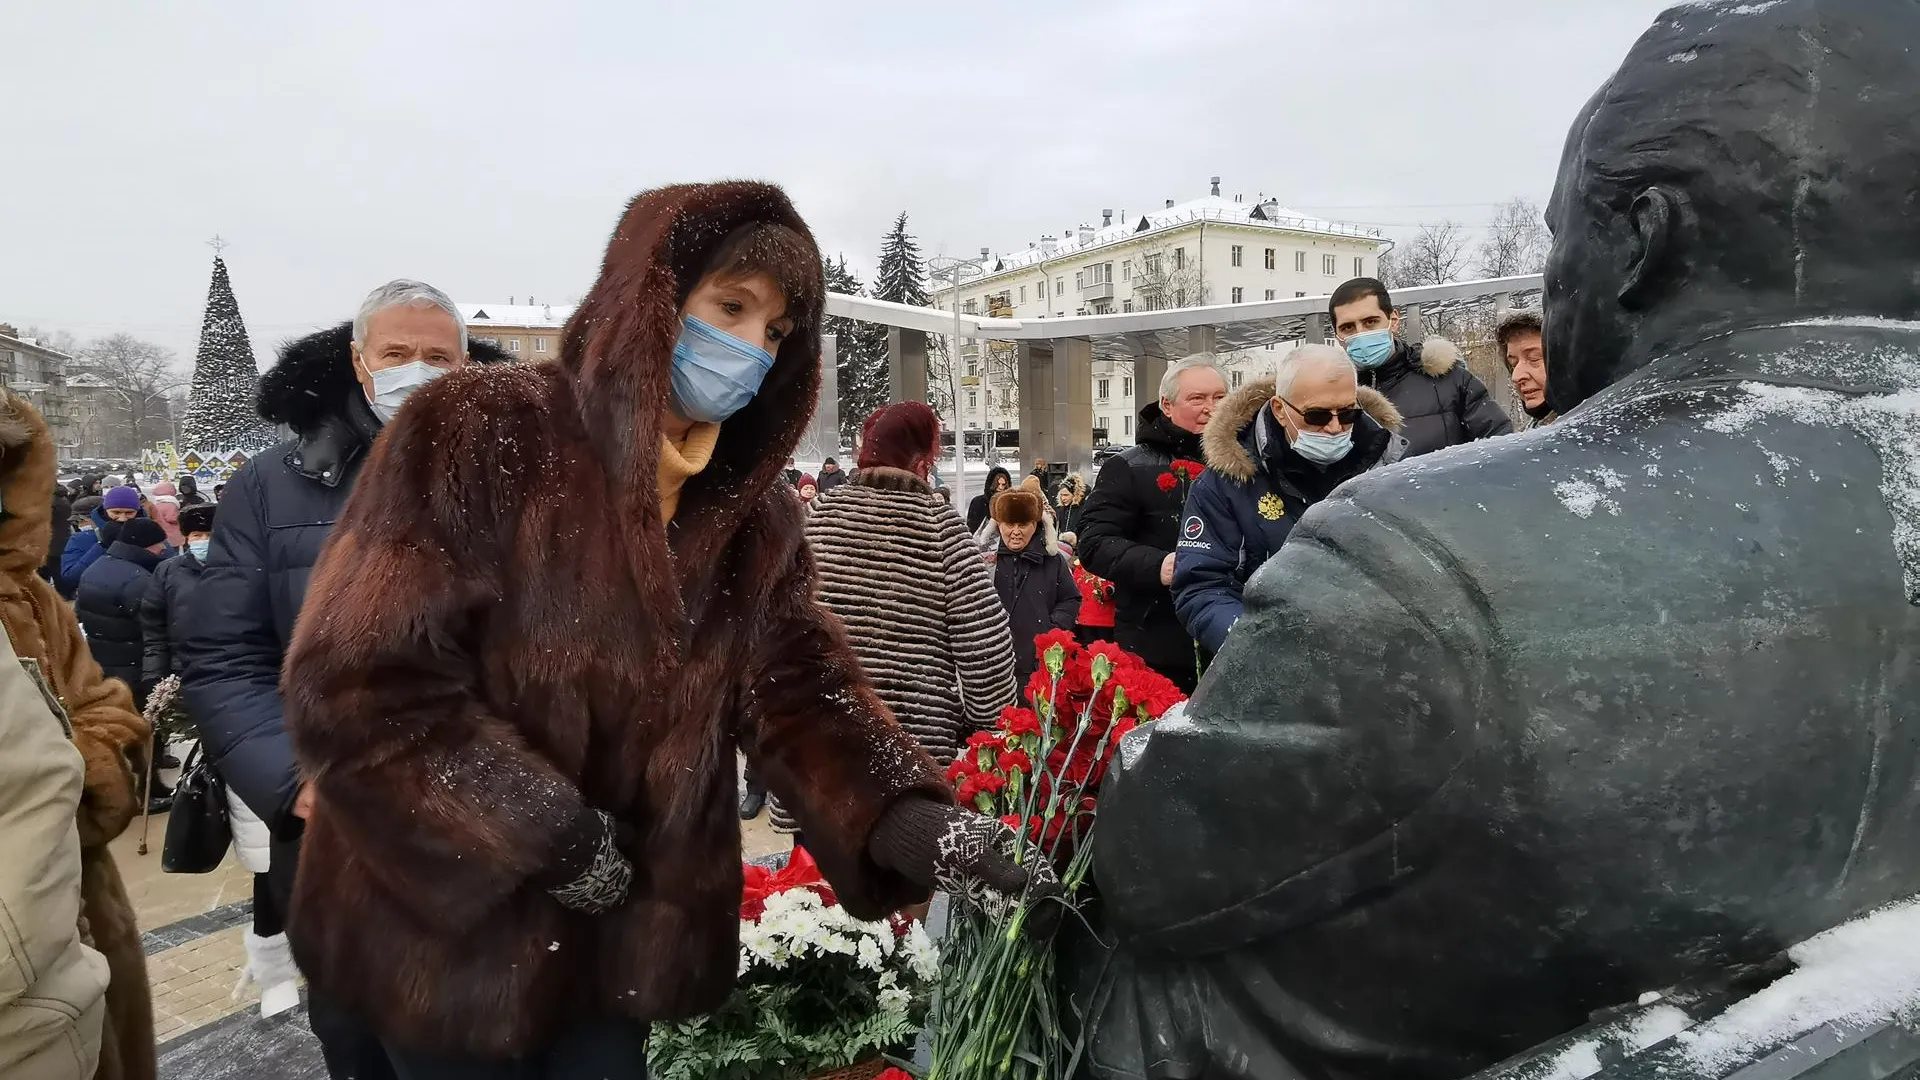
x=1435, y=256
x=1516, y=243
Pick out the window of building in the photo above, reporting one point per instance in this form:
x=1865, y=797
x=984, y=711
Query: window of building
x=1102, y=387
x=1269, y=258
x=1080, y=279
x=1359, y=266
x=1152, y=264
x=1180, y=297
x=1126, y=270
x=1043, y=288
x=1101, y=422
x=539, y=344
x=1059, y=286
x=1005, y=398
x=973, y=425
x=1329, y=265
x=1236, y=379
x=973, y=399
x=1126, y=386
x=1236, y=294
x=513, y=345
x=1236, y=254
x=1299, y=262
x=1269, y=294
x=1023, y=294
x=1180, y=258
x=971, y=307
x=1126, y=305
x=1126, y=424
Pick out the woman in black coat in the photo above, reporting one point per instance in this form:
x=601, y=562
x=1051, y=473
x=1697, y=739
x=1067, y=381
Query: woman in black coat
x=998, y=480
x=1034, y=580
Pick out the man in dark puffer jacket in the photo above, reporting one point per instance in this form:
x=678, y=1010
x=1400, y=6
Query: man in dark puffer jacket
x=274, y=518
x=1442, y=403
x=108, y=600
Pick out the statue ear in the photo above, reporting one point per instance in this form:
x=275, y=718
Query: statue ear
x=1661, y=217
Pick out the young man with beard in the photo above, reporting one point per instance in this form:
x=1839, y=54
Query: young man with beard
x=335, y=389
x=1131, y=522
x=520, y=732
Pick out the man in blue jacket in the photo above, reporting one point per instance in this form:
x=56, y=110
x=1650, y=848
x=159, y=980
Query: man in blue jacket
x=1274, y=448
x=335, y=389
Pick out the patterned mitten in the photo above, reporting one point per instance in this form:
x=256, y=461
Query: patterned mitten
x=588, y=872
x=960, y=852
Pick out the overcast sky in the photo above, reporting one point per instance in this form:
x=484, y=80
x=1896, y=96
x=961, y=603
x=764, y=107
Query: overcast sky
x=488, y=147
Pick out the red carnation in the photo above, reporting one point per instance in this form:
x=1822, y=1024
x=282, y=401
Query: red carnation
x=1188, y=468
x=1168, y=481
x=1014, y=761
x=1016, y=721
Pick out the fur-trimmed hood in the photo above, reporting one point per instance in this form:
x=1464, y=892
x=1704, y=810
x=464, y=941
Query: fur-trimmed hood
x=314, y=375
x=26, y=480
x=1437, y=356
x=1224, y=441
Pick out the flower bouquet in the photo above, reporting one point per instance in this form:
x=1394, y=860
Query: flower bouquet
x=1039, y=771
x=819, y=990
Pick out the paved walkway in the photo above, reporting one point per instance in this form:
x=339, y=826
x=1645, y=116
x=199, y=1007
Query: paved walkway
x=193, y=927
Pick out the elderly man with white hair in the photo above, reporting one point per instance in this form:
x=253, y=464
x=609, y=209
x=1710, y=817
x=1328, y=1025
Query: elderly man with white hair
x=1128, y=528
x=334, y=391
x=1273, y=449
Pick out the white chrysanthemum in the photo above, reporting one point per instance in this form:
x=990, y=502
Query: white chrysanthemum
x=893, y=999
x=870, y=955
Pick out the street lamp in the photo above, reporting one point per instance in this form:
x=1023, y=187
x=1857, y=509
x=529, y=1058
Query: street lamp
x=959, y=272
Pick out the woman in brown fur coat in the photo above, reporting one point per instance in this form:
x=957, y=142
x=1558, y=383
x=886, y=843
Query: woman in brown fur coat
x=111, y=736
x=520, y=729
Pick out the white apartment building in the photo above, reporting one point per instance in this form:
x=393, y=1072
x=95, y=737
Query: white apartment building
x=1211, y=250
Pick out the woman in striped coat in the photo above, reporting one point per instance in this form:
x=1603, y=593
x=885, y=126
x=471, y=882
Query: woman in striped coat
x=899, y=568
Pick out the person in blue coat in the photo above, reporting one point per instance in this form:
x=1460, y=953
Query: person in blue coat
x=1274, y=448
x=118, y=506
x=335, y=390
x=108, y=600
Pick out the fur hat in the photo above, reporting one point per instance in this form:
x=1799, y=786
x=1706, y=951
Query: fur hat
x=122, y=498
x=85, y=505
x=197, y=518
x=1017, y=507
x=142, y=532
x=1516, y=321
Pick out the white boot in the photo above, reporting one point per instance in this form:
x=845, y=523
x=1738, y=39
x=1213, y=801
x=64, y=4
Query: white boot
x=270, y=966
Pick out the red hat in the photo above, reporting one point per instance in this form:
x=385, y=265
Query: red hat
x=899, y=436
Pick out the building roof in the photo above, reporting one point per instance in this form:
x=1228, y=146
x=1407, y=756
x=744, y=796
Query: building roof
x=481, y=316
x=1266, y=214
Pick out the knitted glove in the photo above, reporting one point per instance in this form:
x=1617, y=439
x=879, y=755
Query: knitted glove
x=963, y=853
x=588, y=873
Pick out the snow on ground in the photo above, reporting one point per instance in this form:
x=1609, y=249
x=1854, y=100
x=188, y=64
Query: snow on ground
x=1863, y=972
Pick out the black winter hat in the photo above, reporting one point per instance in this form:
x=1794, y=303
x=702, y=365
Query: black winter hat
x=142, y=532
x=198, y=518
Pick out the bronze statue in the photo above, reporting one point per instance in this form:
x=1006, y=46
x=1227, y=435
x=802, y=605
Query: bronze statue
x=1523, y=729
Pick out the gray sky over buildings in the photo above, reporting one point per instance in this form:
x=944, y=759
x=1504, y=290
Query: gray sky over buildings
x=488, y=147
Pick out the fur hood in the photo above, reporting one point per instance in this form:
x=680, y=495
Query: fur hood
x=315, y=373
x=1438, y=356
x=26, y=481
x=1229, y=456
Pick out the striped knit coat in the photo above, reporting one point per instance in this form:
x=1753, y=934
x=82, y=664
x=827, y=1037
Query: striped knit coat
x=898, y=567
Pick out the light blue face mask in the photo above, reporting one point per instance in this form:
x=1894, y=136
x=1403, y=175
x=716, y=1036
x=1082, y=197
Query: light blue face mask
x=1323, y=449
x=1370, y=349
x=199, y=548
x=714, y=373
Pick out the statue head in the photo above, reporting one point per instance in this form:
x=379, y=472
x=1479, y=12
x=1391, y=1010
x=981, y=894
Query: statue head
x=1751, y=162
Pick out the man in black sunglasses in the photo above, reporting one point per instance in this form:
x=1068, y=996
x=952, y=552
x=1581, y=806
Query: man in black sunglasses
x=1274, y=448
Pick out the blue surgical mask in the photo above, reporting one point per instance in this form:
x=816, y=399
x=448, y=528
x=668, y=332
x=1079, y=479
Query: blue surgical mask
x=392, y=386
x=199, y=548
x=1323, y=449
x=714, y=373
x=1370, y=349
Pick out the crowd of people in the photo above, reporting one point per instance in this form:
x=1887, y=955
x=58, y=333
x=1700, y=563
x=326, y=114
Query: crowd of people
x=532, y=854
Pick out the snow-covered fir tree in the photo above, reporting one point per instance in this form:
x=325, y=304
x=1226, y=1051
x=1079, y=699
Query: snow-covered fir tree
x=903, y=274
x=862, y=354
x=220, y=406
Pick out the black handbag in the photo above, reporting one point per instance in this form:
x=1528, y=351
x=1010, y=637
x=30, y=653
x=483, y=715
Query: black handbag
x=198, y=829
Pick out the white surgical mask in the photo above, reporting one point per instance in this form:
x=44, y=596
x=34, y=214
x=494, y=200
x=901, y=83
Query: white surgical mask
x=392, y=386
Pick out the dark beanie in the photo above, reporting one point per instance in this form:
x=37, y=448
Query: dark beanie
x=142, y=532
x=198, y=518
x=122, y=498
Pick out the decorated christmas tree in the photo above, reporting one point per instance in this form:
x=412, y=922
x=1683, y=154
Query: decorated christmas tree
x=220, y=412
